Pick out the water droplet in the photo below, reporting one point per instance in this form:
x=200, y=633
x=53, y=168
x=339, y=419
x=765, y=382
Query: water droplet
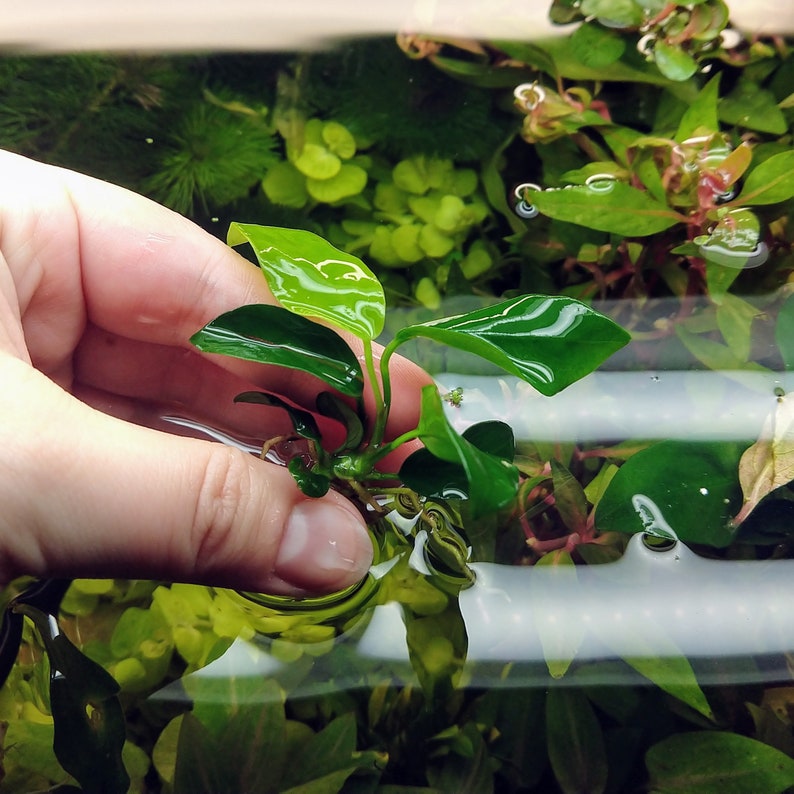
x=601, y=183
x=704, y=491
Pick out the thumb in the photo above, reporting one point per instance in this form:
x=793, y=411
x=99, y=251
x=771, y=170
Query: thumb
x=87, y=494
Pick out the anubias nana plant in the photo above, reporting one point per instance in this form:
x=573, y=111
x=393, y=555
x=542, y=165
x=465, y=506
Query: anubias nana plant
x=549, y=342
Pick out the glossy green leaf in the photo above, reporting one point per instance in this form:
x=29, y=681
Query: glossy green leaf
x=575, y=742
x=303, y=422
x=311, y=483
x=443, y=441
x=610, y=206
x=273, y=335
x=769, y=183
x=548, y=341
x=693, y=487
x=310, y=277
x=717, y=762
x=429, y=476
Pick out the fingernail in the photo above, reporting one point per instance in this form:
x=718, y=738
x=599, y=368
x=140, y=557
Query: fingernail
x=324, y=548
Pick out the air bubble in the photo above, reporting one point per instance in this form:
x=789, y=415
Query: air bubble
x=523, y=208
x=730, y=39
x=529, y=95
x=645, y=45
x=600, y=183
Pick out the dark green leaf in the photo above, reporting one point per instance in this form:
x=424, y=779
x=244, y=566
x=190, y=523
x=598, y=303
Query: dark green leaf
x=717, y=762
x=575, y=742
x=311, y=483
x=771, y=182
x=429, y=476
x=491, y=483
x=273, y=335
x=327, y=757
x=784, y=332
x=310, y=277
x=465, y=775
x=608, y=207
x=89, y=720
x=690, y=487
x=302, y=421
x=328, y=404
x=548, y=341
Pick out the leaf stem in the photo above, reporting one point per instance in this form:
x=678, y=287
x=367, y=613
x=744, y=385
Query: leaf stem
x=382, y=399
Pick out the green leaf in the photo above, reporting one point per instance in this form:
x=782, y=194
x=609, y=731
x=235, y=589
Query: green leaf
x=610, y=206
x=470, y=774
x=569, y=497
x=784, y=332
x=560, y=646
x=314, y=484
x=491, y=483
x=596, y=46
x=328, y=404
x=717, y=762
x=702, y=113
x=575, y=742
x=548, y=341
x=302, y=421
x=616, y=13
x=429, y=476
x=754, y=108
x=89, y=721
x=349, y=181
x=674, y=62
x=285, y=185
x=309, y=276
x=771, y=182
x=317, y=162
x=693, y=485
x=273, y=335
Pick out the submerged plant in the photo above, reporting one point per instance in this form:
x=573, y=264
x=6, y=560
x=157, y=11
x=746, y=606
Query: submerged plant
x=548, y=341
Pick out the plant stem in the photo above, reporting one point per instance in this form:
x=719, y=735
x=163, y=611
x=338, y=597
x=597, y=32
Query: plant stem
x=382, y=399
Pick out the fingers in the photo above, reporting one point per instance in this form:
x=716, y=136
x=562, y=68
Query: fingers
x=84, y=494
x=88, y=254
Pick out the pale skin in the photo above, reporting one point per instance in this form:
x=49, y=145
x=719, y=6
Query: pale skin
x=100, y=290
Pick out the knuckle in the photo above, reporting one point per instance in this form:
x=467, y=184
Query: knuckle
x=224, y=525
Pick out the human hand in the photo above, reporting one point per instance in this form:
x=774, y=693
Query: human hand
x=100, y=290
